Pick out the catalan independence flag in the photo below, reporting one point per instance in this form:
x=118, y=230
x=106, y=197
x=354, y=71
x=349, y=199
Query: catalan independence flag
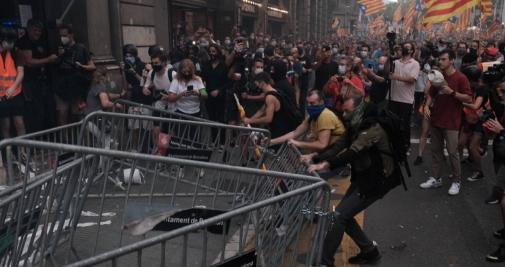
x=442, y=10
x=464, y=20
x=397, y=16
x=409, y=16
x=372, y=6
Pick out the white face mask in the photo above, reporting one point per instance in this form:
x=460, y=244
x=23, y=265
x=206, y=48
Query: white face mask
x=258, y=71
x=65, y=40
x=6, y=45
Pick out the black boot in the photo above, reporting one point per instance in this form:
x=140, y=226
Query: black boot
x=368, y=257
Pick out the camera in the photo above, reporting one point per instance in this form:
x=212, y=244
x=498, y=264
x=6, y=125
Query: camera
x=494, y=74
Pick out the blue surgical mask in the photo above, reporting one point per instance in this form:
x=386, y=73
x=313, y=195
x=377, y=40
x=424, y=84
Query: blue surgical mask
x=130, y=60
x=315, y=111
x=341, y=69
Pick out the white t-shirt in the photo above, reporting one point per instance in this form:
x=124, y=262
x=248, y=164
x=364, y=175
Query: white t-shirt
x=162, y=83
x=187, y=104
x=401, y=91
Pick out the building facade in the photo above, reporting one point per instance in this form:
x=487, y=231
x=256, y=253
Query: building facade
x=346, y=11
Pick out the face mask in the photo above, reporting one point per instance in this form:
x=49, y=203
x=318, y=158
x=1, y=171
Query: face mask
x=274, y=43
x=427, y=67
x=341, y=69
x=187, y=77
x=227, y=42
x=502, y=102
x=315, y=111
x=204, y=44
x=65, y=40
x=7, y=45
x=405, y=52
x=440, y=49
x=258, y=71
x=260, y=50
x=334, y=51
x=380, y=67
x=473, y=51
x=130, y=60
x=157, y=68
x=363, y=54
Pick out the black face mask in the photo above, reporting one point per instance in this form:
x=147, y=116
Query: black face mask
x=157, y=68
x=405, y=52
x=473, y=51
x=187, y=77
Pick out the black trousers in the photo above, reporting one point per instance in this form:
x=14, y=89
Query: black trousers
x=39, y=106
x=343, y=221
x=404, y=111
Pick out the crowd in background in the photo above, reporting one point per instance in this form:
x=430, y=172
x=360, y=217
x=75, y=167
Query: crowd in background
x=305, y=92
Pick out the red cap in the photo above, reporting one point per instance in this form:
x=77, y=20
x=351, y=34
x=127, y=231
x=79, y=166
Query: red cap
x=492, y=51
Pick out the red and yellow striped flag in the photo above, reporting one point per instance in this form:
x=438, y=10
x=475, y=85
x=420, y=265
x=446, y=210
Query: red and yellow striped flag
x=486, y=7
x=464, y=20
x=372, y=6
x=409, y=17
x=397, y=16
x=441, y=10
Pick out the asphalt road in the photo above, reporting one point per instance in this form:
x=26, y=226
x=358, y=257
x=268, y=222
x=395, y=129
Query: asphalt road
x=422, y=227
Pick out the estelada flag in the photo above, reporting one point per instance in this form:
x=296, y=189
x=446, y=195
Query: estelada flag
x=397, y=16
x=441, y=10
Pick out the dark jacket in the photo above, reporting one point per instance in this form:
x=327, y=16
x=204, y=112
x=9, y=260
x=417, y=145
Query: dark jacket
x=367, y=148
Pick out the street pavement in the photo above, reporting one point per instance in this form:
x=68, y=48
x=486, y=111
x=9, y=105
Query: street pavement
x=422, y=227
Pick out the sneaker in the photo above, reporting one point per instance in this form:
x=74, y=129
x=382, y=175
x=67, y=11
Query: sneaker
x=476, y=176
x=455, y=187
x=500, y=234
x=431, y=183
x=345, y=172
x=498, y=255
x=495, y=196
x=418, y=161
x=368, y=257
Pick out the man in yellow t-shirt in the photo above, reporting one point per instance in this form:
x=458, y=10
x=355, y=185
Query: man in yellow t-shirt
x=322, y=127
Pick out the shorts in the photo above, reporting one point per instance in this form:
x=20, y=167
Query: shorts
x=13, y=107
x=135, y=124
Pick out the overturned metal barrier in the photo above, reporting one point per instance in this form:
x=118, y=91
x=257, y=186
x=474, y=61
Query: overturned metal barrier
x=67, y=212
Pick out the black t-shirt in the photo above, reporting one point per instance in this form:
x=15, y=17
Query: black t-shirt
x=71, y=80
x=286, y=89
x=215, y=78
x=73, y=54
x=483, y=92
x=136, y=90
x=39, y=51
x=378, y=90
x=324, y=72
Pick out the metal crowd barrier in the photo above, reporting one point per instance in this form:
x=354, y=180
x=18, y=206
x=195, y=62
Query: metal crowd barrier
x=66, y=212
x=134, y=108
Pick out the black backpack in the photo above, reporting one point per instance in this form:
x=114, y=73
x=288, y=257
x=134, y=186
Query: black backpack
x=392, y=125
x=157, y=93
x=294, y=114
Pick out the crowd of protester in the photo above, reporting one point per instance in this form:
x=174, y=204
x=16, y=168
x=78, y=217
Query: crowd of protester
x=316, y=96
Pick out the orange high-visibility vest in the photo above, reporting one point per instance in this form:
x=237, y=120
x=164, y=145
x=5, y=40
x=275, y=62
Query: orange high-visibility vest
x=8, y=74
